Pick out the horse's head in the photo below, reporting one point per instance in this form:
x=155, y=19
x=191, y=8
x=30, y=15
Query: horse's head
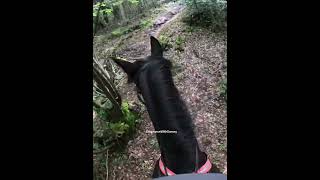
x=133, y=69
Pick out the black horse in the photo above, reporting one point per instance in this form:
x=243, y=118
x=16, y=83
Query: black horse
x=180, y=152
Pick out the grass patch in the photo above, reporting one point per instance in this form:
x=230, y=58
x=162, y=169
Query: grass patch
x=165, y=42
x=179, y=42
x=111, y=137
x=121, y=31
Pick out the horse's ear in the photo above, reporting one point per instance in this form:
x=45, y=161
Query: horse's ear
x=128, y=67
x=156, y=49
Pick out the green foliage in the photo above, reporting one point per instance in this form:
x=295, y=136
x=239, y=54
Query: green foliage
x=180, y=40
x=134, y=2
x=179, y=43
x=102, y=113
x=101, y=19
x=106, y=130
x=128, y=116
x=207, y=13
x=118, y=129
x=145, y=23
x=120, y=31
x=105, y=9
x=165, y=42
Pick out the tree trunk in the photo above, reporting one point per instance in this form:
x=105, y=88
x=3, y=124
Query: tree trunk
x=122, y=12
x=116, y=13
x=140, y=5
x=106, y=19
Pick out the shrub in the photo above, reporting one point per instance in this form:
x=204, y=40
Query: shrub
x=107, y=131
x=179, y=43
x=207, y=13
x=165, y=42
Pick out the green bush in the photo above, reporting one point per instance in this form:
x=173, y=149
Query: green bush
x=179, y=43
x=180, y=40
x=207, y=13
x=108, y=134
x=106, y=131
x=102, y=14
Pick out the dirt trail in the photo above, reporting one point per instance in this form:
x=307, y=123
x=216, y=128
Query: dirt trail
x=198, y=70
x=161, y=22
x=137, y=45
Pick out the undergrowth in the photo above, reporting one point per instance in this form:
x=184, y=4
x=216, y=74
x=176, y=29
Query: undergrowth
x=165, y=42
x=207, y=13
x=179, y=43
x=144, y=24
x=111, y=137
x=121, y=31
x=107, y=132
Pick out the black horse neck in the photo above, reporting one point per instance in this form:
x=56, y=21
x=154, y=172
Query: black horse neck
x=168, y=112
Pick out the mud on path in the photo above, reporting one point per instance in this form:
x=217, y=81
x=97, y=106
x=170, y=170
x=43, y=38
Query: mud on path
x=198, y=70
